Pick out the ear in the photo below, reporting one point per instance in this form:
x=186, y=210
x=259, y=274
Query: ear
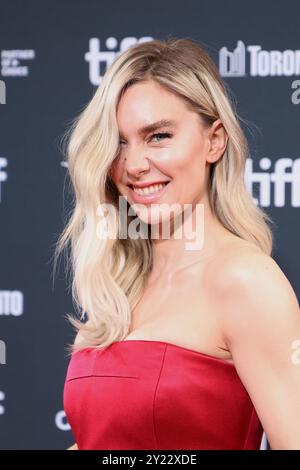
x=217, y=139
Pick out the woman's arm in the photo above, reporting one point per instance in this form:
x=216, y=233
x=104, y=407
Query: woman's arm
x=73, y=447
x=261, y=324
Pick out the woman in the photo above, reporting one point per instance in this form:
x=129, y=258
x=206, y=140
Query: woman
x=181, y=345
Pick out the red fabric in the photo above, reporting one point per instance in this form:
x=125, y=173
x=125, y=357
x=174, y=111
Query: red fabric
x=143, y=394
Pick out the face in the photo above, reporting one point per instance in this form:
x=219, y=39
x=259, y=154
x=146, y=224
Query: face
x=174, y=157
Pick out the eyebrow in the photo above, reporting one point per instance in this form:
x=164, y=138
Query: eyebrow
x=156, y=125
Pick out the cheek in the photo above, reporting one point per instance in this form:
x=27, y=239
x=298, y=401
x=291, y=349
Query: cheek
x=187, y=162
x=173, y=161
x=116, y=171
x=188, y=170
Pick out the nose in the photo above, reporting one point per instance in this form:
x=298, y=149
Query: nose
x=136, y=163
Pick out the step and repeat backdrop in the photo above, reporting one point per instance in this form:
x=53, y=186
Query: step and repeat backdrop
x=53, y=55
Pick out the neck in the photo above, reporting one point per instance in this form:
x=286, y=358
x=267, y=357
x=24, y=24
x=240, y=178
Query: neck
x=177, y=249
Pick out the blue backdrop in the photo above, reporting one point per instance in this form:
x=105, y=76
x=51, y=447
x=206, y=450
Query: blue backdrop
x=53, y=55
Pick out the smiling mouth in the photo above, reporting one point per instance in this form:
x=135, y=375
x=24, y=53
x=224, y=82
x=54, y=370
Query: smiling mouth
x=149, y=190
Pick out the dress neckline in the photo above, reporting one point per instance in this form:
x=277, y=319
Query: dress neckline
x=177, y=346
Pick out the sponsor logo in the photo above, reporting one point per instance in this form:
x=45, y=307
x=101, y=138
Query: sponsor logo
x=12, y=62
x=258, y=62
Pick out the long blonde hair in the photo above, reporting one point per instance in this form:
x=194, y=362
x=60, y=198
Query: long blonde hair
x=108, y=275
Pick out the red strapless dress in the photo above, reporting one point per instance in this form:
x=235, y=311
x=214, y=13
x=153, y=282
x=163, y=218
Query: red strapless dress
x=145, y=394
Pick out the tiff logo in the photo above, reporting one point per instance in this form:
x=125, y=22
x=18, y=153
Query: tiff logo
x=95, y=56
x=2, y=352
x=280, y=177
x=2, y=92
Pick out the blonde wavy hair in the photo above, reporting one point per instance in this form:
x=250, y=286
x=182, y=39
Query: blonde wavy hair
x=108, y=275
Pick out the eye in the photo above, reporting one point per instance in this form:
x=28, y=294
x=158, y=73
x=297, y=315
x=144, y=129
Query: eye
x=165, y=135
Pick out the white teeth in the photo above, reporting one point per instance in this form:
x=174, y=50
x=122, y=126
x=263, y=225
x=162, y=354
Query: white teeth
x=150, y=189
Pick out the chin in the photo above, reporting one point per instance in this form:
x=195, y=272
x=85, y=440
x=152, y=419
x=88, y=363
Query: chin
x=156, y=216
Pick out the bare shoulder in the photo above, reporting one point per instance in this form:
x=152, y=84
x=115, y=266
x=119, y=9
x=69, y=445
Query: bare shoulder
x=241, y=262
x=260, y=320
x=252, y=289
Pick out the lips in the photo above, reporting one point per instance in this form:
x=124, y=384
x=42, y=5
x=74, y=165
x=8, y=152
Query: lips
x=145, y=184
x=148, y=198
